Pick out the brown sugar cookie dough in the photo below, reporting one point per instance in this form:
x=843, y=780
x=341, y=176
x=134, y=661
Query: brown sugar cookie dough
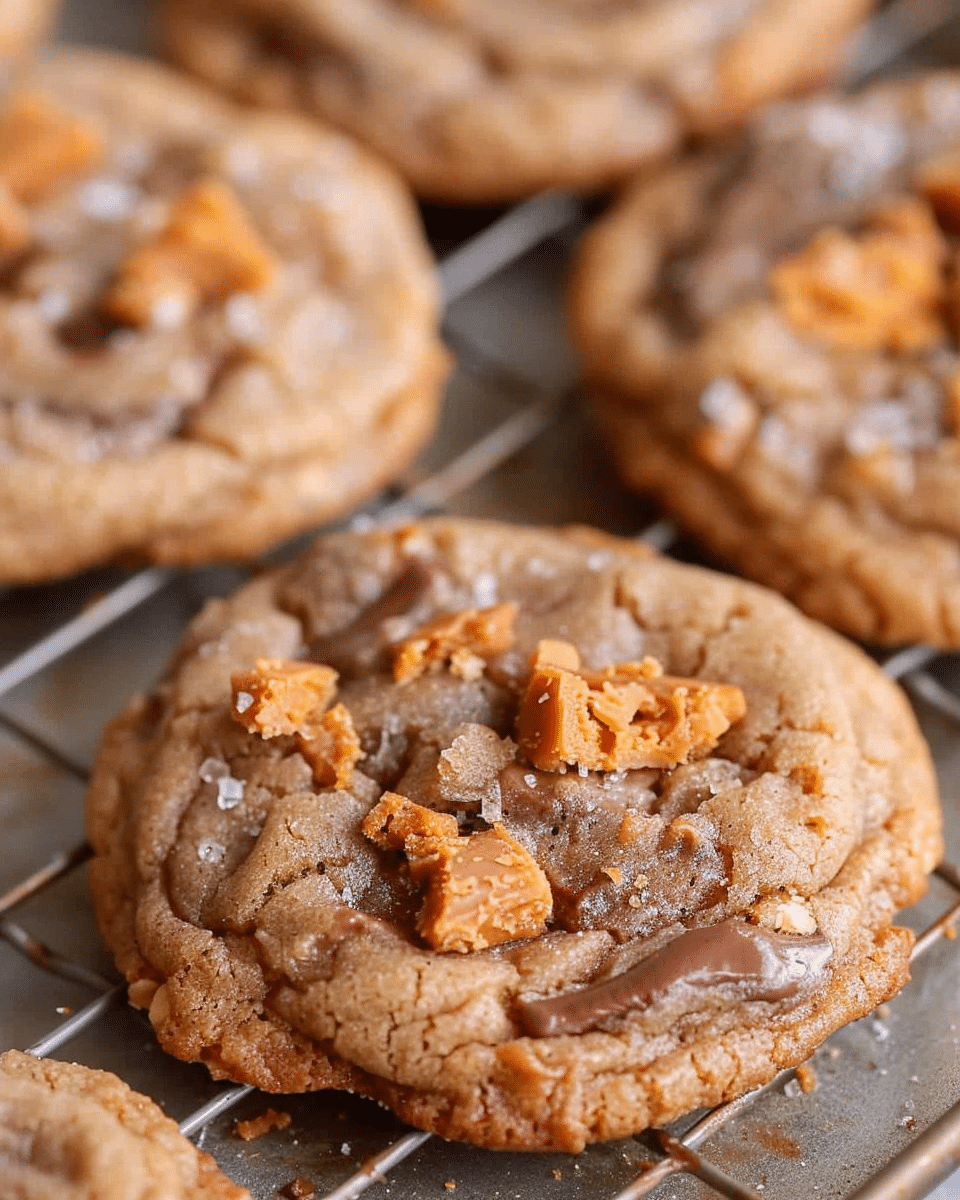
x=488, y=100
x=79, y=1134
x=771, y=336
x=630, y=842
x=218, y=328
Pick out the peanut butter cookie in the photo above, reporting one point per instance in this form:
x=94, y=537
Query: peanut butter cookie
x=79, y=1134
x=534, y=837
x=488, y=100
x=218, y=328
x=771, y=337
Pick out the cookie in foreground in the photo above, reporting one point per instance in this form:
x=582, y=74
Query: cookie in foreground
x=770, y=334
x=490, y=100
x=534, y=836
x=80, y=1134
x=218, y=328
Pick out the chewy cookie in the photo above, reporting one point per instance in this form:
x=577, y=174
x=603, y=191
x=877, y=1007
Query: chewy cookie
x=770, y=334
x=23, y=24
x=79, y=1134
x=488, y=100
x=535, y=837
x=218, y=328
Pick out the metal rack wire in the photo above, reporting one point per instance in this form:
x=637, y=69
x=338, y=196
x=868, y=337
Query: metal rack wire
x=658, y=1156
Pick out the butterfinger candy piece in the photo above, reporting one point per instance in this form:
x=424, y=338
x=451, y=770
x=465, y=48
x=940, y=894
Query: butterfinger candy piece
x=277, y=696
x=882, y=289
x=940, y=182
x=474, y=633
x=208, y=251
x=331, y=747
x=15, y=235
x=395, y=820
x=40, y=146
x=482, y=890
x=620, y=719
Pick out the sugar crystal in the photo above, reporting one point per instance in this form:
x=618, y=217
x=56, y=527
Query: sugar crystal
x=209, y=851
x=243, y=701
x=229, y=792
x=107, y=200
x=212, y=769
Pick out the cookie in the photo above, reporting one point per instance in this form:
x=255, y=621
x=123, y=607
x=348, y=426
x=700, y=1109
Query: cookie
x=770, y=334
x=23, y=25
x=537, y=838
x=81, y=1134
x=218, y=328
x=479, y=101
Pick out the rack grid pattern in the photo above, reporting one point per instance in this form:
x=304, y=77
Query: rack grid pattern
x=537, y=412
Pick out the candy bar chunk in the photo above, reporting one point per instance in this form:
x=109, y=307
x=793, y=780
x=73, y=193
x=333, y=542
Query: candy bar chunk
x=279, y=697
x=463, y=639
x=208, y=251
x=331, y=747
x=626, y=717
x=41, y=146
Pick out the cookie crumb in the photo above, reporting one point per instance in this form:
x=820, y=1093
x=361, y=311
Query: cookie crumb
x=278, y=696
x=451, y=1185
x=557, y=1174
x=807, y=1078
x=257, y=1127
x=300, y=1188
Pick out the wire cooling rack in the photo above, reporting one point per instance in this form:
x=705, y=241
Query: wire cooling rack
x=884, y=1120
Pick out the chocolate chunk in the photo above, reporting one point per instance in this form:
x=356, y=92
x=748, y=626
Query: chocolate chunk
x=760, y=964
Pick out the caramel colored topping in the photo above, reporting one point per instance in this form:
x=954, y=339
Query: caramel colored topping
x=458, y=639
x=939, y=181
x=761, y=966
x=882, y=289
x=807, y=1078
x=256, y=1127
x=15, y=235
x=208, y=251
x=481, y=890
x=625, y=717
x=279, y=697
x=40, y=146
x=395, y=820
x=331, y=746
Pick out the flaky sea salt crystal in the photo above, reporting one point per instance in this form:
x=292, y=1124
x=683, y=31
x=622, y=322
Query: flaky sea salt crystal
x=880, y=1031
x=53, y=305
x=726, y=404
x=169, y=312
x=347, y=894
x=243, y=702
x=544, y=698
x=209, y=851
x=107, y=200
x=792, y=1089
x=243, y=317
x=485, y=589
x=229, y=792
x=345, y=1148
x=530, y=780
x=582, y=771
x=212, y=769
x=886, y=423
x=491, y=807
x=242, y=161
x=598, y=559
x=541, y=569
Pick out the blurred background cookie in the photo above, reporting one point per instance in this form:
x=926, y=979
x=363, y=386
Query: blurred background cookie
x=79, y=1134
x=536, y=837
x=218, y=328
x=488, y=100
x=770, y=337
x=23, y=23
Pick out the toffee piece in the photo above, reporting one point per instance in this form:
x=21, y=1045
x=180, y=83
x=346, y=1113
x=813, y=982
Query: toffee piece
x=79, y=1134
x=785, y=376
x=219, y=328
x=490, y=100
x=567, y=949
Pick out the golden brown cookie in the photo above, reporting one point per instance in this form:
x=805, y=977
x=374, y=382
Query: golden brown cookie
x=218, y=328
x=630, y=852
x=488, y=100
x=771, y=338
x=23, y=24
x=79, y=1134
